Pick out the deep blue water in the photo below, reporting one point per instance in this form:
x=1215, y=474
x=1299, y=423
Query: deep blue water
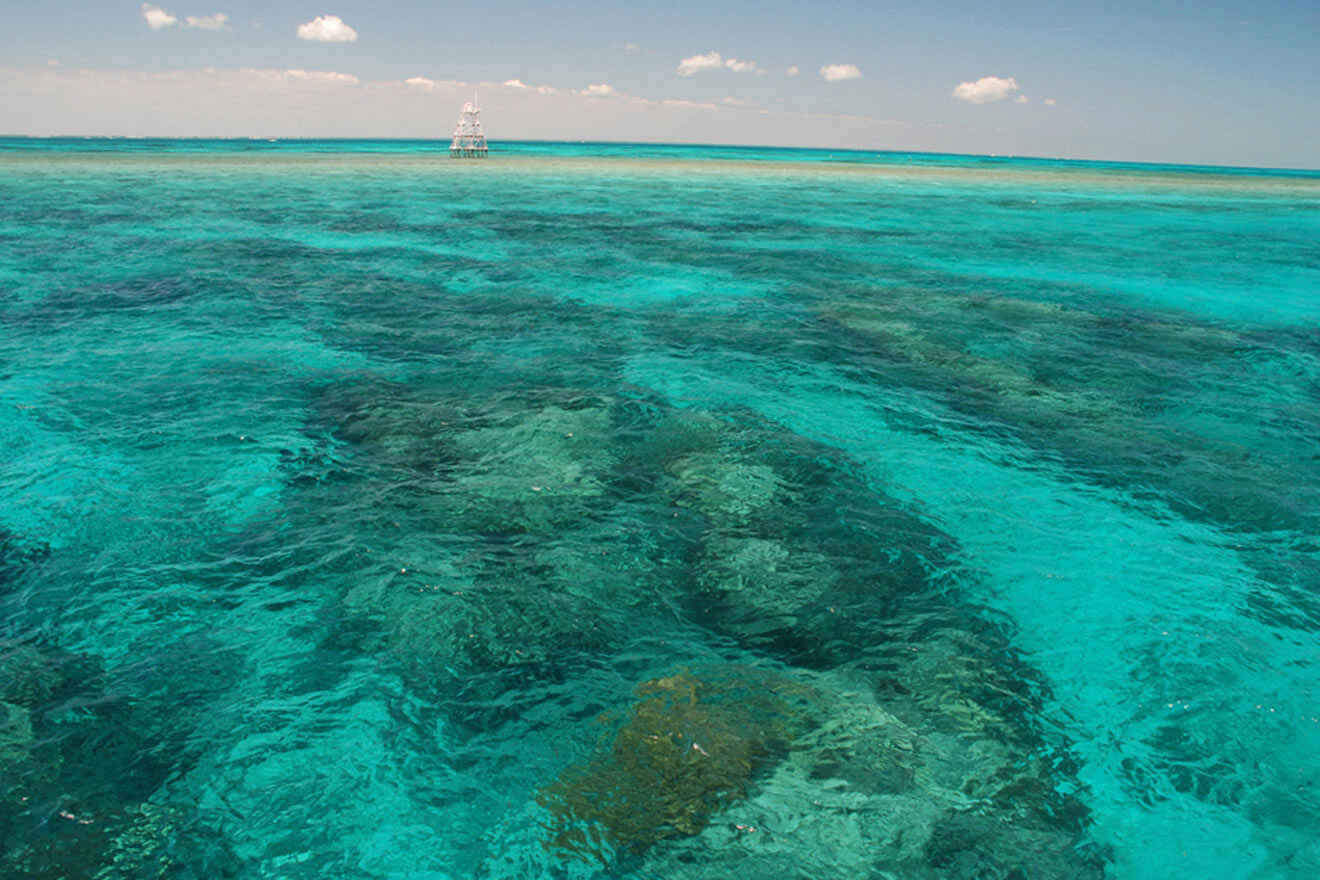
x=655, y=512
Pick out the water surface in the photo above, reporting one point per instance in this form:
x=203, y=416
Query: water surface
x=655, y=512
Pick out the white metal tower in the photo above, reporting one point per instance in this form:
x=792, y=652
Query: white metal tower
x=469, y=140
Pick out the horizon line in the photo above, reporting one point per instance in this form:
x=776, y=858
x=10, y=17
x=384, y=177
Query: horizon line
x=675, y=144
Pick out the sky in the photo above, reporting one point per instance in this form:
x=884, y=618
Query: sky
x=1202, y=83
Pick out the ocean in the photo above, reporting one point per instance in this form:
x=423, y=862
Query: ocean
x=636, y=511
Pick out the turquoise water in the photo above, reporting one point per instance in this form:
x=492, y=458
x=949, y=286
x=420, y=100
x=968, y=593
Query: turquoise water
x=655, y=512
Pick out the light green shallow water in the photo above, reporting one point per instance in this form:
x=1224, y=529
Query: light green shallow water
x=655, y=512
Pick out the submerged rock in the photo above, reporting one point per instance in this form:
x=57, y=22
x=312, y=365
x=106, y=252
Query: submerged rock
x=15, y=734
x=821, y=578
x=536, y=471
x=793, y=554
x=692, y=744
x=558, y=449
x=15, y=556
x=165, y=841
x=76, y=757
x=762, y=584
x=444, y=621
x=560, y=530
x=513, y=461
x=863, y=793
x=28, y=676
x=968, y=846
x=725, y=488
x=1108, y=393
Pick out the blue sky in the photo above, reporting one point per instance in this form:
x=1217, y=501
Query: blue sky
x=1161, y=81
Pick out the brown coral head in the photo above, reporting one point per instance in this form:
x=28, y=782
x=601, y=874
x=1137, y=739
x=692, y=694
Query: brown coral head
x=690, y=745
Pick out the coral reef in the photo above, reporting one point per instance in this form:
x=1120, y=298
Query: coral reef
x=914, y=748
x=864, y=794
x=77, y=759
x=761, y=583
x=725, y=488
x=1116, y=417
x=164, y=842
x=15, y=556
x=468, y=566
x=15, y=734
x=692, y=744
x=445, y=622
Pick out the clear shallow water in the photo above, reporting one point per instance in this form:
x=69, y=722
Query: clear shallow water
x=577, y=512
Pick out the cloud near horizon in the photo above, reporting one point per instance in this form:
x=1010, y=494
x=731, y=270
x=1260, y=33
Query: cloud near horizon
x=327, y=29
x=696, y=63
x=323, y=76
x=156, y=17
x=839, y=72
x=738, y=66
x=986, y=90
x=687, y=105
x=278, y=102
x=214, y=22
x=713, y=60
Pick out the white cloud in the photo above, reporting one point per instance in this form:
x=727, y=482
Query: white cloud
x=793, y=71
x=698, y=63
x=598, y=90
x=156, y=17
x=631, y=48
x=689, y=105
x=837, y=72
x=714, y=61
x=214, y=22
x=324, y=103
x=1049, y=102
x=741, y=66
x=737, y=102
x=323, y=76
x=426, y=84
x=1021, y=99
x=327, y=29
x=986, y=90
x=548, y=90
